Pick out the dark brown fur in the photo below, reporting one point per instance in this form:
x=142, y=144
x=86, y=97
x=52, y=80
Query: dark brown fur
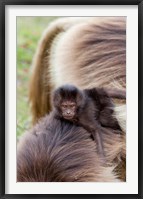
x=57, y=151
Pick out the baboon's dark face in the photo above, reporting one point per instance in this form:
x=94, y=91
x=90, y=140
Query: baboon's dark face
x=68, y=109
x=68, y=100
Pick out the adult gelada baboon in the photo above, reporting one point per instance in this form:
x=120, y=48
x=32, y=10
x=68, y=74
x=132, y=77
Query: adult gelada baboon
x=58, y=151
x=87, y=52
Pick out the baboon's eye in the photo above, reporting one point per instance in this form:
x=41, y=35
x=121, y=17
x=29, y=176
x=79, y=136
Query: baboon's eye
x=72, y=106
x=64, y=106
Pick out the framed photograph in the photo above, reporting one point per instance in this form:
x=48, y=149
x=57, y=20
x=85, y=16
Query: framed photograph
x=71, y=99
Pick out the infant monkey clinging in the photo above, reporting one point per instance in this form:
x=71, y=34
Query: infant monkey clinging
x=90, y=108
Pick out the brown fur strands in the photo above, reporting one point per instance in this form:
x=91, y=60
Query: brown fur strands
x=55, y=151
x=91, y=54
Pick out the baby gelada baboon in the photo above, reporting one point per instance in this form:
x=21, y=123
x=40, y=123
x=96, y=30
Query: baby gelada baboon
x=89, y=108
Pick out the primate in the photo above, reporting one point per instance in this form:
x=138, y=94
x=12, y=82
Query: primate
x=58, y=151
x=89, y=108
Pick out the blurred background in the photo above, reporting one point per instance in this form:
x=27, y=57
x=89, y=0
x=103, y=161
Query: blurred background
x=29, y=30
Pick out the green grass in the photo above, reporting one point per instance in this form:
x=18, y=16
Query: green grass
x=29, y=30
